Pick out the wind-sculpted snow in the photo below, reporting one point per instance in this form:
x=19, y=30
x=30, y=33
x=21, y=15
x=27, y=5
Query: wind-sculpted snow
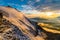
x=17, y=21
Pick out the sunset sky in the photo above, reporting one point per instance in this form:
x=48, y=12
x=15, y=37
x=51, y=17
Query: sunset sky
x=32, y=6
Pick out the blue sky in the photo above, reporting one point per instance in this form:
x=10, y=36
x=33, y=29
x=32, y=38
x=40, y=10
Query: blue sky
x=32, y=4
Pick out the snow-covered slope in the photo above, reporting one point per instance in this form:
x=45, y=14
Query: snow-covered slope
x=20, y=21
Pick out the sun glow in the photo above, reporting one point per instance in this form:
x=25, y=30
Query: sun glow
x=49, y=13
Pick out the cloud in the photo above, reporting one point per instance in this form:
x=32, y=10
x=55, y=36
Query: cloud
x=30, y=11
x=33, y=4
x=40, y=4
x=27, y=7
x=37, y=0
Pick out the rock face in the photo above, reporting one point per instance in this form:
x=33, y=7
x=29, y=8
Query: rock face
x=8, y=31
x=16, y=26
